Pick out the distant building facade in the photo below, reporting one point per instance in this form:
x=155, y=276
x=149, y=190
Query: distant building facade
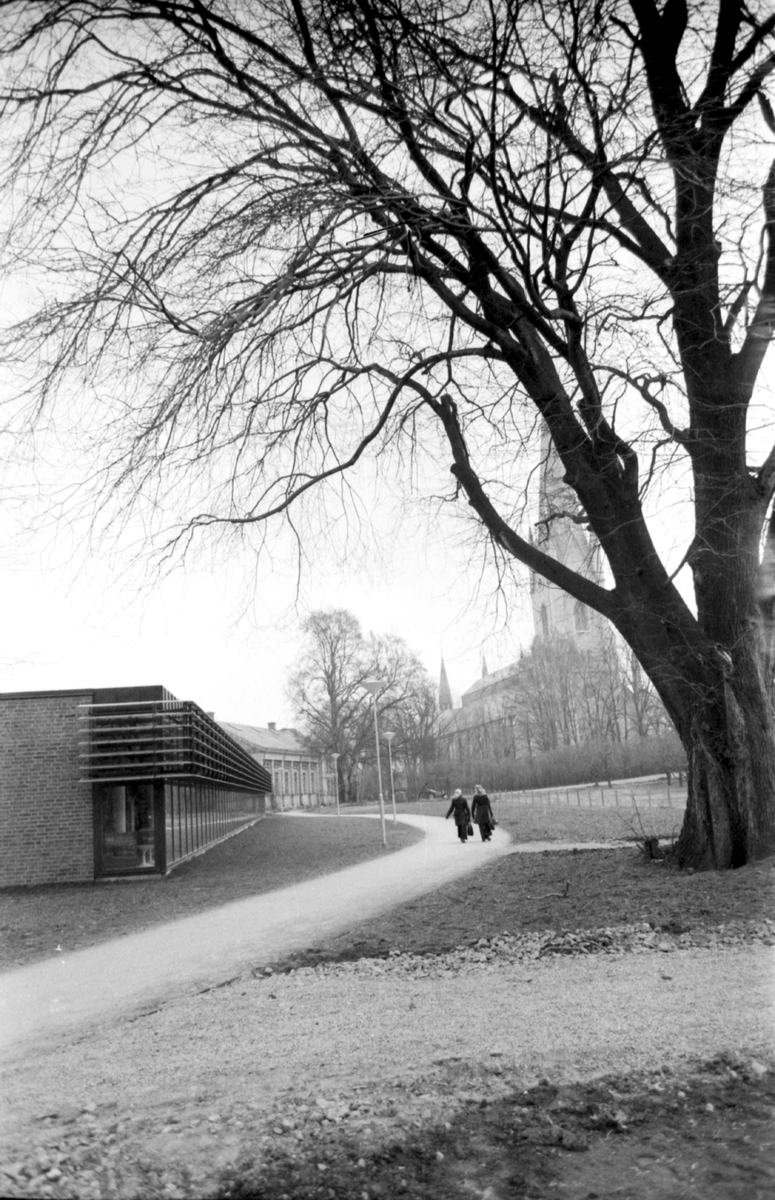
x=116, y=782
x=562, y=534
x=484, y=724
x=300, y=778
x=574, y=683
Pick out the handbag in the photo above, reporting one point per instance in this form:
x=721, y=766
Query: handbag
x=470, y=829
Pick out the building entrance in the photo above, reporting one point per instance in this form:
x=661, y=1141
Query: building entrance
x=127, y=827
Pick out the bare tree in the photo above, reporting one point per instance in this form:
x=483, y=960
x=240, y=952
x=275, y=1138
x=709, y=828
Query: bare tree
x=558, y=696
x=304, y=231
x=327, y=690
x=641, y=707
x=414, y=723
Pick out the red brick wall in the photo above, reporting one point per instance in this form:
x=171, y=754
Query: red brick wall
x=45, y=813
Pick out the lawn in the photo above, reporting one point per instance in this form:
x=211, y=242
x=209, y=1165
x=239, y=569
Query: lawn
x=274, y=853
x=563, y=891
x=559, y=823
x=587, y=889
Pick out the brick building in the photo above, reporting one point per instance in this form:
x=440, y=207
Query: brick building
x=116, y=782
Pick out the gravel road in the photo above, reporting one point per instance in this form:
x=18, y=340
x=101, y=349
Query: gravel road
x=193, y=1087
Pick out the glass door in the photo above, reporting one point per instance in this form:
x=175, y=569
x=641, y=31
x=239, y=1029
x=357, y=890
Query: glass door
x=126, y=827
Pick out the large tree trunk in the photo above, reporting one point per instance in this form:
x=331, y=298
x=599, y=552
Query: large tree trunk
x=728, y=730
x=731, y=780
x=722, y=712
x=708, y=672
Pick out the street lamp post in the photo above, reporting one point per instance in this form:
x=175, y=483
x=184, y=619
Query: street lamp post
x=372, y=686
x=389, y=739
x=335, y=760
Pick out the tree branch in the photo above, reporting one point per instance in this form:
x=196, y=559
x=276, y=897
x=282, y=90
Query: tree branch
x=745, y=365
x=586, y=590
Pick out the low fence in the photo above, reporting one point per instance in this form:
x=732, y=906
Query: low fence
x=652, y=794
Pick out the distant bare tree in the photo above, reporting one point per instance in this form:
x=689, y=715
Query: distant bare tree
x=415, y=725
x=562, y=695
x=644, y=713
x=328, y=694
x=304, y=231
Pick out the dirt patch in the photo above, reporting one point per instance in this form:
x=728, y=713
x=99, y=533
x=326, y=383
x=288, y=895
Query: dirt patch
x=705, y=1134
x=364, y=1079
x=588, y=889
x=39, y=922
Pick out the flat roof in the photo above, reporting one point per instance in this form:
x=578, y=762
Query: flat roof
x=86, y=691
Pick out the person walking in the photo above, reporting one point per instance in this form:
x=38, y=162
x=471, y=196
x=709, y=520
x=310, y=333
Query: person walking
x=462, y=814
x=482, y=814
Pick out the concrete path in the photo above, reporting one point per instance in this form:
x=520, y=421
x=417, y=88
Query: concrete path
x=139, y=972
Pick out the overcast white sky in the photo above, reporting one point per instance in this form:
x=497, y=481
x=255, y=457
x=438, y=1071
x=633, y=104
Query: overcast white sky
x=72, y=618
x=223, y=631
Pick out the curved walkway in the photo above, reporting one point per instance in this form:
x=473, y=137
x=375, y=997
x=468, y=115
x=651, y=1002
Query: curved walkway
x=142, y=970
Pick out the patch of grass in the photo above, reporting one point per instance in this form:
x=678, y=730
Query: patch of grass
x=274, y=853
x=524, y=892
x=566, y=823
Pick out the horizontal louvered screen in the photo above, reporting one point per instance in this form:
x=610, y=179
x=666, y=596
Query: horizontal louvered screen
x=163, y=739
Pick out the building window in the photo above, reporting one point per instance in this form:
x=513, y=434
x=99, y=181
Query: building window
x=127, y=826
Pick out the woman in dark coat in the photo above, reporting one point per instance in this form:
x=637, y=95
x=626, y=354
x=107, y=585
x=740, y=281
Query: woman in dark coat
x=462, y=814
x=482, y=813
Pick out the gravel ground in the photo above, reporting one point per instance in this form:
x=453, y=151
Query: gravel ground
x=174, y=1101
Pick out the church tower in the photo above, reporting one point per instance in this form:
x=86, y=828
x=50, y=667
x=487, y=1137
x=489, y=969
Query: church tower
x=445, y=693
x=561, y=533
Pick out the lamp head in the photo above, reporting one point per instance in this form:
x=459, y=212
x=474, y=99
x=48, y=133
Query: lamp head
x=372, y=686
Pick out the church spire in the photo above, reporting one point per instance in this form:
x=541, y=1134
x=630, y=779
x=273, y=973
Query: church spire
x=445, y=694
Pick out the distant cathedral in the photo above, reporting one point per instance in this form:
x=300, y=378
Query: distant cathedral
x=494, y=720
x=561, y=533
